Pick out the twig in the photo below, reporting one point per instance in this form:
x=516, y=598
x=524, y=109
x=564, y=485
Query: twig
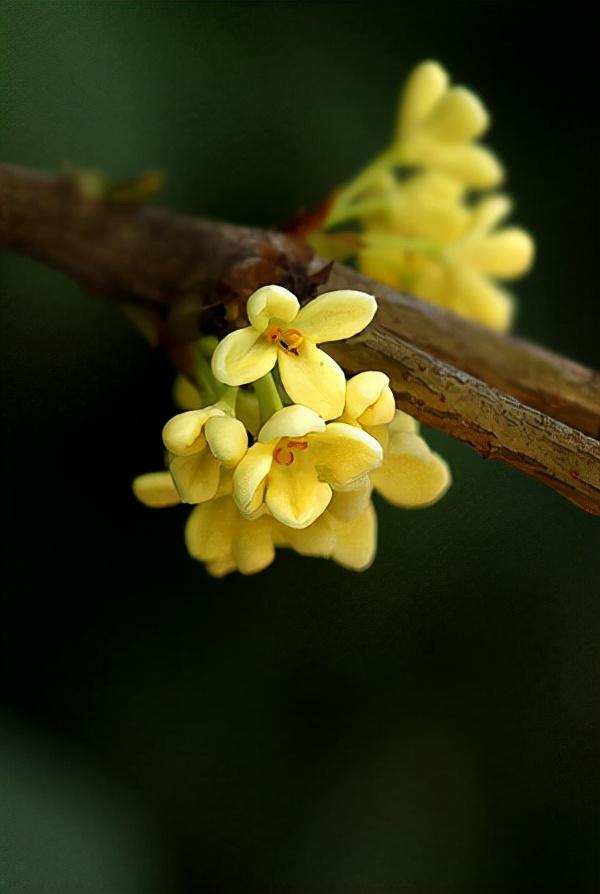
x=508, y=399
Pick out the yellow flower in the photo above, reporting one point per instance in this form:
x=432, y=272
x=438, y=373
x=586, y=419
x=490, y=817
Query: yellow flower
x=156, y=490
x=298, y=461
x=437, y=126
x=201, y=443
x=457, y=272
x=282, y=332
x=411, y=474
x=217, y=534
x=220, y=536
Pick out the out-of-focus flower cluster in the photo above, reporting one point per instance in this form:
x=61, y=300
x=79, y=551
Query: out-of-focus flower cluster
x=287, y=452
x=415, y=217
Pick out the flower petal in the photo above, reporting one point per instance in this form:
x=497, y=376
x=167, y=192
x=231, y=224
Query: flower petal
x=505, y=254
x=249, y=478
x=317, y=539
x=183, y=434
x=271, y=302
x=196, y=477
x=313, y=379
x=369, y=399
x=356, y=541
x=242, y=357
x=156, y=490
x=411, y=475
x=290, y=422
x=482, y=300
x=425, y=85
x=209, y=530
x=185, y=395
x=349, y=504
x=458, y=117
x=343, y=454
x=252, y=547
x=336, y=315
x=227, y=439
x=294, y=494
x=221, y=567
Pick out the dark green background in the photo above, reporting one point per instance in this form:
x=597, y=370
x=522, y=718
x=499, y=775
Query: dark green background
x=430, y=725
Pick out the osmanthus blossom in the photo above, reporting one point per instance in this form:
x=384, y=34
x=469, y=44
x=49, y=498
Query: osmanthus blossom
x=437, y=126
x=200, y=444
x=283, y=333
x=305, y=482
x=297, y=463
x=412, y=218
x=460, y=251
x=411, y=475
x=218, y=535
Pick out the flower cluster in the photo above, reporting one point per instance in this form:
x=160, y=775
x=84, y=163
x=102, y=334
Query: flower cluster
x=423, y=225
x=292, y=460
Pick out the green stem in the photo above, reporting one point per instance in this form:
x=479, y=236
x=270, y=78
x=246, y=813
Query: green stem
x=227, y=398
x=269, y=400
x=380, y=163
x=356, y=210
x=204, y=378
x=387, y=241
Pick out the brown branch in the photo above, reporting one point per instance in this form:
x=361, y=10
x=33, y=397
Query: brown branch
x=508, y=399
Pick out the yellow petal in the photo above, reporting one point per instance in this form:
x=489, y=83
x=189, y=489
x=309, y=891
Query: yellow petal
x=336, y=315
x=196, y=477
x=369, y=399
x=252, y=548
x=426, y=83
x=505, y=254
x=476, y=166
x=294, y=494
x=458, y=117
x=271, y=302
x=402, y=422
x=343, y=454
x=317, y=539
x=227, y=439
x=356, y=541
x=242, y=357
x=290, y=422
x=348, y=504
x=249, y=478
x=221, y=567
x=313, y=379
x=210, y=528
x=156, y=490
x=411, y=475
x=483, y=301
x=488, y=213
x=183, y=434
x=185, y=395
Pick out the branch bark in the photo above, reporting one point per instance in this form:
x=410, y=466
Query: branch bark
x=509, y=399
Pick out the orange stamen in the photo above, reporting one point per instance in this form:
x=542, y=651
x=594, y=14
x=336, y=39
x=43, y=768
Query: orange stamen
x=283, y=456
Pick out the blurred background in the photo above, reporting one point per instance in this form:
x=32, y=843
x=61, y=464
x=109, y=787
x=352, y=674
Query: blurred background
x=430, y=725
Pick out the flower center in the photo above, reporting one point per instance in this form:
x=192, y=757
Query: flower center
x=289, y=339
x=284, y=454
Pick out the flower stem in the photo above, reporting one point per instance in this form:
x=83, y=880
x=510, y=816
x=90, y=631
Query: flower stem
x=205, y=380
x=269, y=400
x=380, y=163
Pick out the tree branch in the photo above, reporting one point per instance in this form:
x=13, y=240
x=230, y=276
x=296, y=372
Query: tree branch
x=508, y=399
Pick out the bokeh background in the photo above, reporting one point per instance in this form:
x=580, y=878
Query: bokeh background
x=430, y=725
